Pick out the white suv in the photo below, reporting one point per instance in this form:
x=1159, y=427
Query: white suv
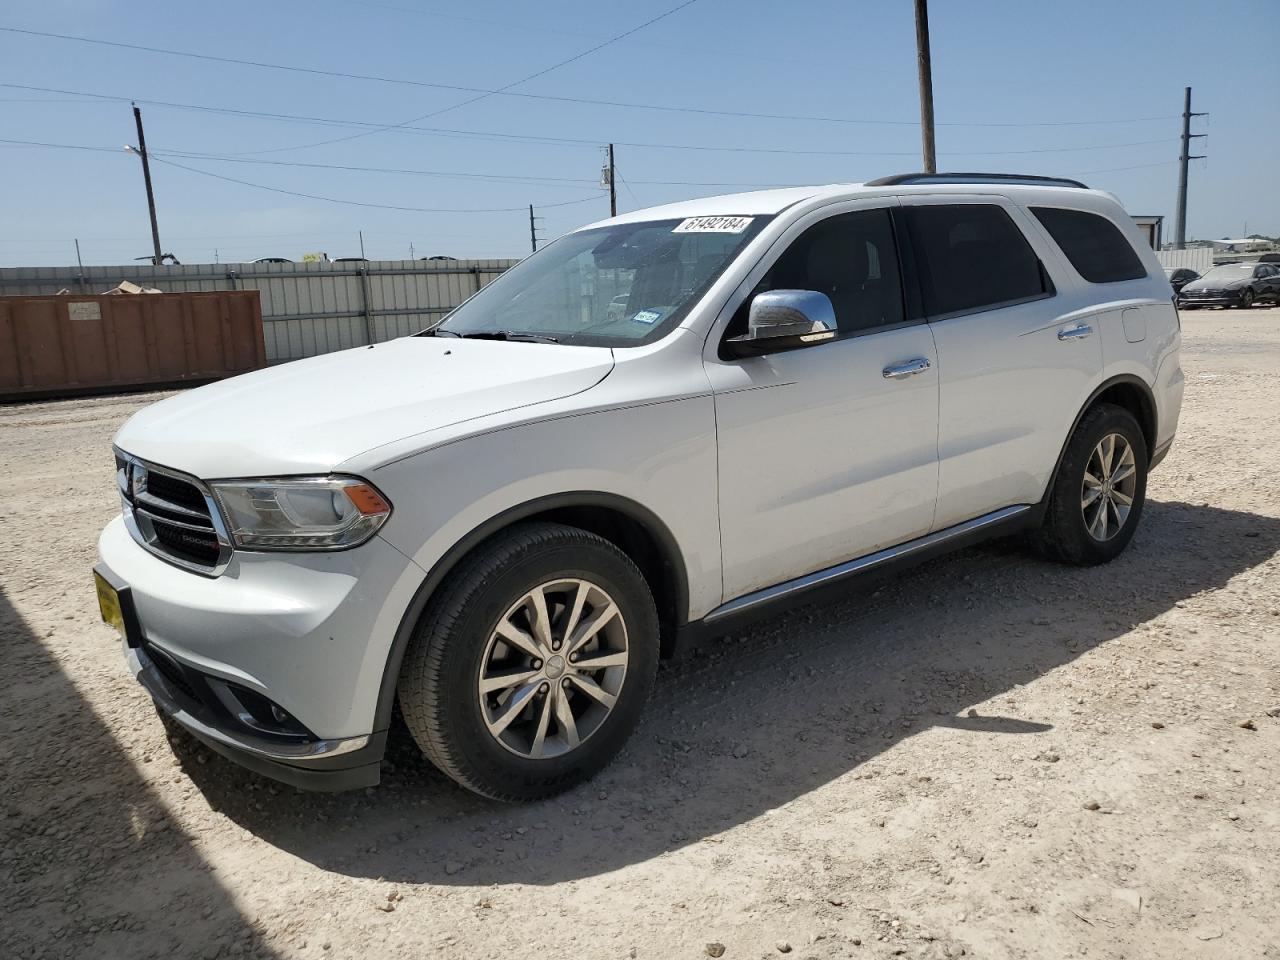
x=657, y=425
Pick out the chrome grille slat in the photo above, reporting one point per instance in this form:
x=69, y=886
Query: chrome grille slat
x=173, y=515
x=144, y=500
x=194, y=527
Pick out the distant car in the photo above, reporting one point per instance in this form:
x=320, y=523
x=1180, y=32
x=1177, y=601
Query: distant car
x=438, y=256
x=350, y=260
x=617, y=308
x=1232, y=285
x=272, y=260
x=1179, y=277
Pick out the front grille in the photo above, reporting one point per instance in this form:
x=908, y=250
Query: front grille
x=173, y=515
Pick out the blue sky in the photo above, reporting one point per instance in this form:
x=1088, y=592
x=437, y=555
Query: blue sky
x=1105, y=76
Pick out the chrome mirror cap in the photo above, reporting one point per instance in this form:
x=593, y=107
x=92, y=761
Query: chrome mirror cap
x=785, y=320
x=791, y=313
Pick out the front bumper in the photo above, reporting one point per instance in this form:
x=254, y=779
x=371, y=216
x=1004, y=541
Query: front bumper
x=278, y=663
x=1225, y=298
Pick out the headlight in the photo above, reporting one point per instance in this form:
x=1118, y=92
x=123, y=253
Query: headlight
x=307, y=513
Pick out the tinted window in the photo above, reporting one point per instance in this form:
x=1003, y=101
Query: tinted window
x=972, y=256
x=1094, y=245
x=852, y=259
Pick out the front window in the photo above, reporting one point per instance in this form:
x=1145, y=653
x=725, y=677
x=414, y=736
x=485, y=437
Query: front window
x=620, y=285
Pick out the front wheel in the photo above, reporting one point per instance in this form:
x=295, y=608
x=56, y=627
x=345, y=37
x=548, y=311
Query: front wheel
x=532, y=663
x=1099, y=491
x=1246, y=300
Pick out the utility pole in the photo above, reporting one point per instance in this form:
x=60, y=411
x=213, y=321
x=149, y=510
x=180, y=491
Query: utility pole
x=926, y=86
x=533, y=230
x=613, y=190
x=361, y=233
x=80, y=264
x=1180, y=218
x=151, y=197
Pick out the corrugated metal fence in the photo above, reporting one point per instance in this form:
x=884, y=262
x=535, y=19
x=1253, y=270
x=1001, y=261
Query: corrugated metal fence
x=307, y=308
x=1198, y=259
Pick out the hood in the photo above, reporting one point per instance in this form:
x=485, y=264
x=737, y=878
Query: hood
x=1218, y=283
x=309, y=416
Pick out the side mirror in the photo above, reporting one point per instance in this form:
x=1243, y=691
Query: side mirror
x=785, y=320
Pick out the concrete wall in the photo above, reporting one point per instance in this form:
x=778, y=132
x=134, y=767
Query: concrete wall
x=307, y=308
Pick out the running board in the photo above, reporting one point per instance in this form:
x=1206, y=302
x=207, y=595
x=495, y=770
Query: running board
x=969, y=529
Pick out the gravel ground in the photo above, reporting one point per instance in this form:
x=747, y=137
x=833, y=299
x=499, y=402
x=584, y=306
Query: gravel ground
x=992, y=756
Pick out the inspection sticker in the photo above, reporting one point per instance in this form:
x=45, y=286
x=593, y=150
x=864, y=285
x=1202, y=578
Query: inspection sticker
x=647, y=317
x=714, y=225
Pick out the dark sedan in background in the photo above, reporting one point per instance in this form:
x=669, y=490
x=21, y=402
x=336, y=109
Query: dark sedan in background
x=1232, y=285
x=1179, y=277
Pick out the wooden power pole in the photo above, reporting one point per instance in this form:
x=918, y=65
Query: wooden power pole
x=613, y=185
x=926, y=86
x=151, y=197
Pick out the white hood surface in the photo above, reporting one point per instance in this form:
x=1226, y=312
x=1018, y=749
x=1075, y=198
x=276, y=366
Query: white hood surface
x=309, y=416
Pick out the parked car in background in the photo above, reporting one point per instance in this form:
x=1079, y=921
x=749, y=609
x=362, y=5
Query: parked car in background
x=350, y=260
x=438, y=256
x=273, y=260
x=1179, y=277
x=1232, y=285
x=501, y=524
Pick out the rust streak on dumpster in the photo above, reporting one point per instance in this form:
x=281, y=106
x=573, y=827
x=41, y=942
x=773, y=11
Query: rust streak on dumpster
x=70, y=345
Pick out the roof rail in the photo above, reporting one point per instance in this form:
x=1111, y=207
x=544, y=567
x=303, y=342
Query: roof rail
x=911, y=179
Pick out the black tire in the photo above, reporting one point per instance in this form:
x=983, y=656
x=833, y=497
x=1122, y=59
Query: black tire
x=437, y=688
x=1064, y=534
x=1246, y=300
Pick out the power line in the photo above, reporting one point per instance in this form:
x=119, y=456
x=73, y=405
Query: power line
x=497, y=178
x=359, y=203
x=488, y=177
x=580, y=141
x=314, y=71
x=503, y=89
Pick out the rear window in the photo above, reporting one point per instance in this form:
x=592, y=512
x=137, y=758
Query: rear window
x=973, y=257
x=1094, y=245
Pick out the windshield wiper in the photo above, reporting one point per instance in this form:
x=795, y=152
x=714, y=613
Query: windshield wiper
x=513, y=335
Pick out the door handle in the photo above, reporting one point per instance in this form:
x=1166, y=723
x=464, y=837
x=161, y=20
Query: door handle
x=908, y=368
x=1078, y=332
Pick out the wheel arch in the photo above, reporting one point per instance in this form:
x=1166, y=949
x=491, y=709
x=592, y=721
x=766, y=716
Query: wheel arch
x=1125, y=390
x=630, y=526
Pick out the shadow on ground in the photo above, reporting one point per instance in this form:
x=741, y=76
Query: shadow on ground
x=91, y=864
x=756, y=719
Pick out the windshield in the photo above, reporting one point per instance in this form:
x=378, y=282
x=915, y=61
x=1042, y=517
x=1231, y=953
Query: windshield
x=1229, y=271
x=620, y=285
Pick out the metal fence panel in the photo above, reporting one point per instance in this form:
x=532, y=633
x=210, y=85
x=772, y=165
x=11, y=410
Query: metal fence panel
x=1198, y=259
x=307, y=308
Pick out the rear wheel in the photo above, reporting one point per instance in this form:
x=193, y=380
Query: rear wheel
x=532, y=664
x=1099, y=491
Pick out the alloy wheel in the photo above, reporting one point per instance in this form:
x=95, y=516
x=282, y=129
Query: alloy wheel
x=1110, y=484
x=553, y=668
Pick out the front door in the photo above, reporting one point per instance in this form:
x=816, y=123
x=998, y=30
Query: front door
x=828, y=452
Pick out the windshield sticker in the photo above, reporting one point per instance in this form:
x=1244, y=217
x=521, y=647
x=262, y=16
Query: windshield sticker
x=714, y=225
x=647, y=317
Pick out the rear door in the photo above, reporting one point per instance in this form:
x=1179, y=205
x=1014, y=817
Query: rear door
x=1017, y=351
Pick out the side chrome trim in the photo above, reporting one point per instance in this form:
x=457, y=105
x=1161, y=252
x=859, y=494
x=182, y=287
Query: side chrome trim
x=810, y=580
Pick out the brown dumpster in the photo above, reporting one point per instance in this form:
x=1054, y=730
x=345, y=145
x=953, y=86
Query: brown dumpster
x=69, y=344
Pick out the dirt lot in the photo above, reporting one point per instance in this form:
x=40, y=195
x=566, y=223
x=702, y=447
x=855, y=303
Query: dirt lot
x=993, y=757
